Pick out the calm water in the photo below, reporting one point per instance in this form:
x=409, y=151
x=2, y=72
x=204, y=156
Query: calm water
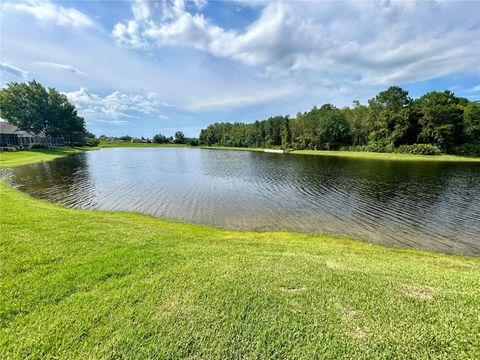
x=430, y=205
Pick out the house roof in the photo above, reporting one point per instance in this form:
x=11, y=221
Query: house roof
x=7, y=128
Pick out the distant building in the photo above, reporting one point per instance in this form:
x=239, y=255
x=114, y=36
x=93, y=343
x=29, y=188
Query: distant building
x=11, y=137
x=139, y=140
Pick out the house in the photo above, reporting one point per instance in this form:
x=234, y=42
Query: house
x=139, y=140
x=11, y=137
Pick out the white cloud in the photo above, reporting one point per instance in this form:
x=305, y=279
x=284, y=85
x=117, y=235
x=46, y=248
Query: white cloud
x=8, y=69
x=367, y=42
x=116, y=107
x=63, y=67
x=235, y=101
x=47, y=12
x=200, y=4
x=476, y=88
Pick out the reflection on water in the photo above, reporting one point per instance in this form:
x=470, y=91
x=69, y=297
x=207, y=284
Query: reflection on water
x=430, y=205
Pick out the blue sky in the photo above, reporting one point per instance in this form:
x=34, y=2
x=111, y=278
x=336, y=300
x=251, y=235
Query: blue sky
x=148, y=67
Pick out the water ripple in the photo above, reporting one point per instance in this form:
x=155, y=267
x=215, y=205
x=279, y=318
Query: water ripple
x=433, y=205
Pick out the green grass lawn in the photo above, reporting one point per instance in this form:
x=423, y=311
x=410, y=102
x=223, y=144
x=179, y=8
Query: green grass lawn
x=92, y=284
x=17, y=158
x=362, y=154
x=232, y=148
x=132, y=144
x=389, y=156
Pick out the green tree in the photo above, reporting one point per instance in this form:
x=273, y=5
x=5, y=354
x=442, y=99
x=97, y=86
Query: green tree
x=390, y=117
x=286, y=133
x=160, y=139
x=37, y=110
x=90, y=139
x=357, y=118
x=441, y=118
x=179, y=138
x=27, y=106
x=333, y=129
x=126, y=138
x=471, y=120
x=65, y=120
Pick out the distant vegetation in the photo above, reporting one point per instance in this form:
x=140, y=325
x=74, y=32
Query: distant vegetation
x=178, y=139
x=35, y=109
x=437, y=122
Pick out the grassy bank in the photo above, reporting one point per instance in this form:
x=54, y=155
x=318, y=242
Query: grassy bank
x=351, y=154
x=363, y=155
x=136, y=145
x=24, y=157
x=388, y=156
x=231, y=148
x=91, y=284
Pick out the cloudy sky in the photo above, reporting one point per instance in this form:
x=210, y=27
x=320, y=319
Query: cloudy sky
x=146, y=67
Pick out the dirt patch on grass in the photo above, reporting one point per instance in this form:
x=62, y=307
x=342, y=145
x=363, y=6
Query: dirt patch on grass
x=417, y=291
x=340, y=266
x=356, y=331
x=336, y=266
x=351, y=326
x=349, y=312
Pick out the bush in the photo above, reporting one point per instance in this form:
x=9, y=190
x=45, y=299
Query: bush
x=192, y=141
x=37, y=146
x=372, y=146
x=160, y=139
x=422, y=149
x=467, y=149
x=92, y=141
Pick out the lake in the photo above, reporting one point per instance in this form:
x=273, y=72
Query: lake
x=427, y=205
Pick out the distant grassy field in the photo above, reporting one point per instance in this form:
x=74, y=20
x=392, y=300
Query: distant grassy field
x=352, y=154
x=388, y=156
x=91, y=284
x=132, y=144
x=231, y=148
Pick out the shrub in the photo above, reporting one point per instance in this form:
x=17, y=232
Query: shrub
x=192, y=141
x=467, y=149
x=372, y=146
x=37, y=146
x=92, y=141
x=422, y=149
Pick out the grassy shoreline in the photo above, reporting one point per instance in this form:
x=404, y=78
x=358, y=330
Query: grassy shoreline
x=25, y=157
x=389, y=156
x=351, y=154
x=362, y=155
x=122, y=144
x=95, y=284
x=9, y=159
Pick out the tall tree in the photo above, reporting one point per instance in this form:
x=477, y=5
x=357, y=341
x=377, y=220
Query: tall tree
x=390, y=116
x=333, y=130
x=179, y=138
x=357, y=118
x=160, y=139
x=27, y=106
x=471, y=120
x=441, y=118
x=37, y=110
x=65, y=120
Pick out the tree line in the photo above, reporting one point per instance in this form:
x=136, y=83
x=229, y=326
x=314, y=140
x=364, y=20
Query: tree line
x=437, y=122
x=178, y=138
x=38, y=110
